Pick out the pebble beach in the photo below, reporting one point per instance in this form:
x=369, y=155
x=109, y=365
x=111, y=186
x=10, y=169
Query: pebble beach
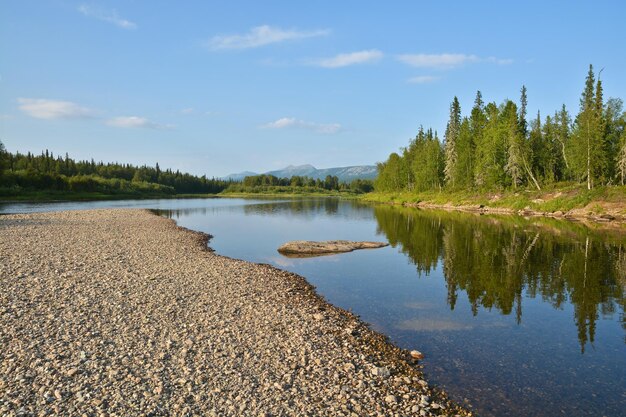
x=123, y=313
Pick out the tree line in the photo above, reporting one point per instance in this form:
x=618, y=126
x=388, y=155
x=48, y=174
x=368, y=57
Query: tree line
x=495, y=147
x=61, y=173
x=297, y=183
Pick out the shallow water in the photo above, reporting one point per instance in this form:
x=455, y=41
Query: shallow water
x=519, y=317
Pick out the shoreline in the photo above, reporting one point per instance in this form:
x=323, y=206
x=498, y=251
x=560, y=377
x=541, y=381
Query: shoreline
x=611, y=214
x=572, y=215
x=335, y=363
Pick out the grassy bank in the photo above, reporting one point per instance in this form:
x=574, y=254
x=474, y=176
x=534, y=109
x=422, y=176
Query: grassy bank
x=289, y=194
x=50, y=195
x=564, y=197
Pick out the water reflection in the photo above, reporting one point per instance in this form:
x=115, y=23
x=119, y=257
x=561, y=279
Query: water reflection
x=494, y=261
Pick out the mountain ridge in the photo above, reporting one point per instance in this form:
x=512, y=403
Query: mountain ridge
x=348, y=173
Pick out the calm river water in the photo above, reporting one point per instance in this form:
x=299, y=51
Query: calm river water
x=516, y=317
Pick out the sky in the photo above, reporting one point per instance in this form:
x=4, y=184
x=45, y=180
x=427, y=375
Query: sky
x=216, y=88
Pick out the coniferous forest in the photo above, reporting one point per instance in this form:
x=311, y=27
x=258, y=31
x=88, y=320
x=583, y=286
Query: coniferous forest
x=28, y=173
x=495, y=147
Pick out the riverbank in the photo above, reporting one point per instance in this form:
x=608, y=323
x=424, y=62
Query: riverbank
x=120, y=312
x=602, y=204
x=50, y=196
x=54, y=196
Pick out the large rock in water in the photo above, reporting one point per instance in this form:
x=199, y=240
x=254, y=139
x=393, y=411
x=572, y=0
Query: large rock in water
x=312, y=248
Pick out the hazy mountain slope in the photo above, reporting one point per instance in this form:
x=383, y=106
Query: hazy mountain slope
x=343, y=173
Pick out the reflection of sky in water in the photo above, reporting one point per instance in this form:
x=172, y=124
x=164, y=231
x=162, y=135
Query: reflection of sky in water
x=534, y=367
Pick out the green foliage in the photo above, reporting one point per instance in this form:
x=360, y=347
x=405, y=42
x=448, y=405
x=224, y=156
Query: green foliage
x=29, y=173
x=495, y=148
x=270, y=184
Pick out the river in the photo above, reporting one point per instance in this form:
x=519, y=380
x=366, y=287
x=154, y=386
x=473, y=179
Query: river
x=516, y=317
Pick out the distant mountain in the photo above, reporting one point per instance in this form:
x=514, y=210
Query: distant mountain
x=240, y=176
x=366, y=172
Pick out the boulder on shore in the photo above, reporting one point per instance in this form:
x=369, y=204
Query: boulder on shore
x=312, y=248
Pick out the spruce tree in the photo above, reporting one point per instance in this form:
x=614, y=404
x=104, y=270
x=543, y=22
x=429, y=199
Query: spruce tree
x=513, y=128
x=451, y=137
x=588, y=151
x=563, y=122
x=523, y=125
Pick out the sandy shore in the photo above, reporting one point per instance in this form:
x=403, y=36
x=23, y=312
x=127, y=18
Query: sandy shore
x=122, y=313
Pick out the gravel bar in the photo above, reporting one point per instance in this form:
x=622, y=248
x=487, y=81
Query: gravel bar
x=123, y=313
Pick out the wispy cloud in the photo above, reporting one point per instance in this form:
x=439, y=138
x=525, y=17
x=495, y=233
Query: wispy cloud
x=109, y=16
x=290, y=122
x=423, y=79
x=134, y=122
x=352, y=58
x=53, y=109
x=447, y=61
x=188, y=110
x=499, y=61
x=260, y=36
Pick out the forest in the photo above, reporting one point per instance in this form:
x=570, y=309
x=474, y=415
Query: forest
x=20, y=174
x=496, y=148
x=29, y=175
x=270, y=184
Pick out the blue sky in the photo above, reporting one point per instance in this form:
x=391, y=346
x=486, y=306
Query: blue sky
x=220, y=87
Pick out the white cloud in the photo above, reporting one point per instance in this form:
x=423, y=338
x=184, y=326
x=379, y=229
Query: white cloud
x=290, y=122
x=53, y=109
x=423, y=79
x=109, y=16
x=352, y=58
x=447, y=61
x=136, y=122
x=499, y=61
x=188, y=110
x=260, y=36
x=437, y=60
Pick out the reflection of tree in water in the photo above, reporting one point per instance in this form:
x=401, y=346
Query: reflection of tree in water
x=496, y=259
x=310, y=208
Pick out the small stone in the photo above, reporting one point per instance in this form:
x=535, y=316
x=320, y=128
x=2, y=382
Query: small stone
x=318, y=316
x=417, y=355
x=415, y=409
x=391, y=399
x=349, y=367
x=57, y=394
x=72, y=372
x=381, y=371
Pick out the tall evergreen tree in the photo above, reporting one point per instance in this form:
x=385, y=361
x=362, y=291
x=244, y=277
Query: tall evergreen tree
x=515, y=143
x=464, y=168
x=3, y=158
x=523, y=125
x=562, y=135
x=588, y=151
x=452, y=137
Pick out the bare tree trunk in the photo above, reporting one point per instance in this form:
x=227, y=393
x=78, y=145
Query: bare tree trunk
x=563, y=151
x=530, y=174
